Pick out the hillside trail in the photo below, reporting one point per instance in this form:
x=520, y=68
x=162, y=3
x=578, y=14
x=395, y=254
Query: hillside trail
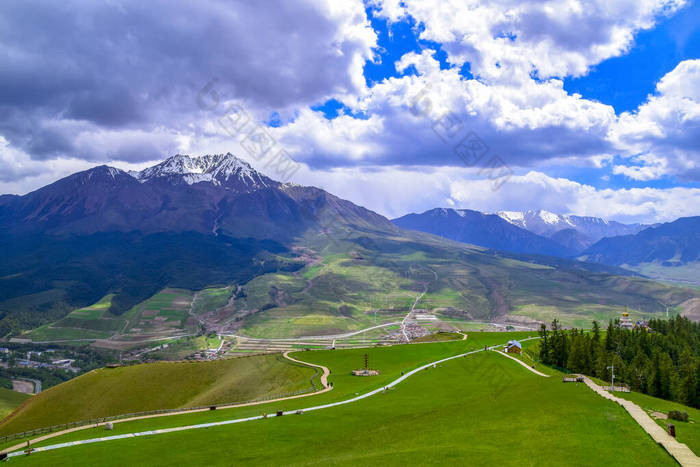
x=324, y=383
x=403, y=322
x=413, y=307
x=522, y=363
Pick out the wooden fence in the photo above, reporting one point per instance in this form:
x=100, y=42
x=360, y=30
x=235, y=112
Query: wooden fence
x=97, y=421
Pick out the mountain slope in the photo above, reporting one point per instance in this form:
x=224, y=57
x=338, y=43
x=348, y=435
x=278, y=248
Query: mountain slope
x=548, y=224
x=675, y=242
x=671, y=250
x=300, y=261
x=487, y=230
x=105, y=229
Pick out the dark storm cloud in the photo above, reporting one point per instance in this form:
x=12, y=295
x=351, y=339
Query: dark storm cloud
x=116, y=66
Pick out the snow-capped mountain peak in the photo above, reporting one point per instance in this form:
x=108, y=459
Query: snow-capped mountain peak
x=548, y=224
x=217, y=169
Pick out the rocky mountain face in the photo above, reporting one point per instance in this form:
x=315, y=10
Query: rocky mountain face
x=487, y=230
x=208, y=194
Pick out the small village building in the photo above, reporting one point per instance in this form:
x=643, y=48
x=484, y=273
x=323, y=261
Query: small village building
x=514, y=347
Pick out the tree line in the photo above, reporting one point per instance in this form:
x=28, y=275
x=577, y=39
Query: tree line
x=662, y=360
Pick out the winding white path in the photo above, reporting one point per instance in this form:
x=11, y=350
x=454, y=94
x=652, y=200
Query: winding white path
x=523, y=364
x=258, y=417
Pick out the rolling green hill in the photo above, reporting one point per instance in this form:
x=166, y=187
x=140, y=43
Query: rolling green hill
x=152, y=386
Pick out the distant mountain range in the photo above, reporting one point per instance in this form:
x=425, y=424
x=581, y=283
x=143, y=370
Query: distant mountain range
x=673, y=243
x=486, y=230
x=574, y=232
x=532, y=232
x=668, y=251
x=186, y=222
x=290, y=250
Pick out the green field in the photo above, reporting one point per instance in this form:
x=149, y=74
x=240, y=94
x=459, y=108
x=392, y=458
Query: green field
x=154, y=386
x=438, y=337
x=478, y=410
x=10, y=400
x=166, y=311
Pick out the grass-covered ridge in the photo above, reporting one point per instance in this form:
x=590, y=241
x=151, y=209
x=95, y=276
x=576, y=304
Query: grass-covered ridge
x=10, y=400
x=152, y=386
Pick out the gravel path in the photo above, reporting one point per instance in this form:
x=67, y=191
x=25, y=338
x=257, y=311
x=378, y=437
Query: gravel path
x=523, y=364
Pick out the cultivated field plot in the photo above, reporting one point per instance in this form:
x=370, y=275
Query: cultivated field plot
x=166, y=313
x=92, y=322
x=483, y=409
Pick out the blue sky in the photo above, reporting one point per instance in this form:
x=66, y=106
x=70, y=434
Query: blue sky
x=625, y=81
x=585, y=107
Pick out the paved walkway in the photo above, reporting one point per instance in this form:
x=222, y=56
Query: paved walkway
x=240, y=420
x=523, y=364
x=679, y=451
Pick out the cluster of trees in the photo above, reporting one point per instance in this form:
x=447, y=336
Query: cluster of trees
x=662, y=361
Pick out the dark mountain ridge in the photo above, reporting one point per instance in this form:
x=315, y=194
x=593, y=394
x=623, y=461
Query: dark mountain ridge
x=673, y=243
x=486, y=230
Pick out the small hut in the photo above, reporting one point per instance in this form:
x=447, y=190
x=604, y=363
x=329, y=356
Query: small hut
x=514, y=347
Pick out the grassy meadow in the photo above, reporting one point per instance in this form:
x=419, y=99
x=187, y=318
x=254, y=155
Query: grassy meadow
x=478, y=410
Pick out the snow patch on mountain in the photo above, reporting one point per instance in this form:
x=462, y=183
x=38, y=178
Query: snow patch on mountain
x=512, y=216
x=548, y=224
x=217, y=169
x=551, y=218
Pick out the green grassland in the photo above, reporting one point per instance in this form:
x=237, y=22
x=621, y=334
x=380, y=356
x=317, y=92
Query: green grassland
x=391, y=360
x=163, y=313
x=478, y=410
x=151, y=386
x=211, y=299
x=10, y=400
x=438, y=337
x=686, y=274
